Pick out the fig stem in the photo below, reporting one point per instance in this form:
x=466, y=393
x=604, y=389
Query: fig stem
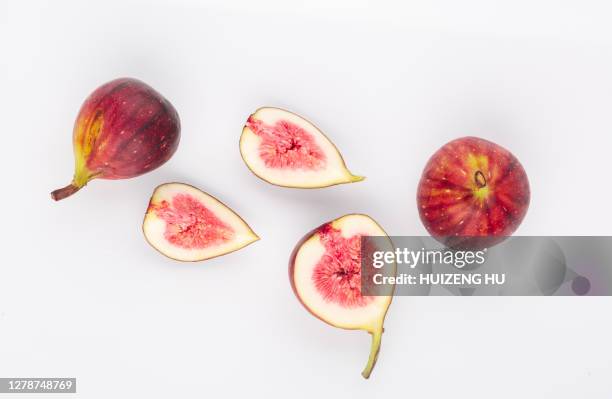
x=64, y=192
x=375, y=348
x=480, y=180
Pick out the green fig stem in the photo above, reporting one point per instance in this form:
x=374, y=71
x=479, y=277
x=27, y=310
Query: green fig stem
x=64, y=192
x=355, y=179
x=376, y=338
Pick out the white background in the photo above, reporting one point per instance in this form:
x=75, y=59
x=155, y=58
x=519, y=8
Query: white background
x=83, y=295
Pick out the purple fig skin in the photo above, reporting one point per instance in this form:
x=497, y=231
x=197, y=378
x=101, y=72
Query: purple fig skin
x=292, y=270
x=124, y=129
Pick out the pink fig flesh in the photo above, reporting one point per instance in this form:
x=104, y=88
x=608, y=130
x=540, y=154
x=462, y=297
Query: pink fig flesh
x=187, y=224
x=124, y=129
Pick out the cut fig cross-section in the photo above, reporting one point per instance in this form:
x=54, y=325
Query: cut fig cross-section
x=325, y=272
x=187, y=224
x=285, y=149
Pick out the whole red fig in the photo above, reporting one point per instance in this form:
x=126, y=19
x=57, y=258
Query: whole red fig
x=473, y=194
x=124, y=129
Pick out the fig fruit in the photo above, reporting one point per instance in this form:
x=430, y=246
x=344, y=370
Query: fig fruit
x=473, y=194
x=124, y=129
x=326, y=276
x=285, y=149
x=187, y=224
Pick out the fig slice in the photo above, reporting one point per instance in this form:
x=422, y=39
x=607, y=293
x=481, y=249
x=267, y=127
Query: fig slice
x=187, y=224
x=286, y=150
x=325, y=274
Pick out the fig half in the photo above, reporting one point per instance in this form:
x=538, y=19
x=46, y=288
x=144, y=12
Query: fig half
x=187, y=224
x=326, y=276
x=285, y=149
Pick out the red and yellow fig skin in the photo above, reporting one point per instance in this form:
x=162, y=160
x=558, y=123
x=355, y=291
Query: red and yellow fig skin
x=473, y=194
x=124, y=129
